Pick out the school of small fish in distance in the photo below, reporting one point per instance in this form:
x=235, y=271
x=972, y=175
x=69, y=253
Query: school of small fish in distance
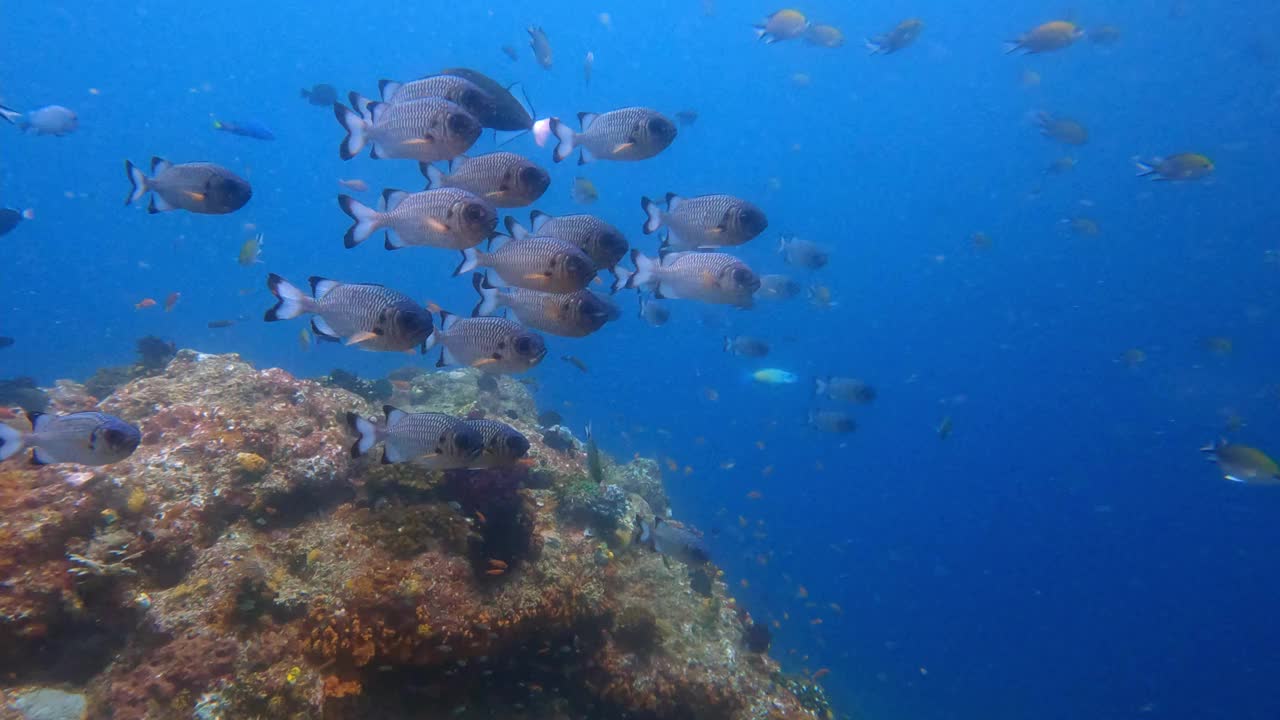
x=540, y=273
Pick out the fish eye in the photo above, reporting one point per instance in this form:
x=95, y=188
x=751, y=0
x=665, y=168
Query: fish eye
x=518, y=444
x=524, y=345
x=474, y=213
x=658, y=126
x=533, y=176
x=460, y=123
x=742, y=276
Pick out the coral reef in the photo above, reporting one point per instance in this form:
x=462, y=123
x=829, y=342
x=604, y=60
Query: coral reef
x=241, y=564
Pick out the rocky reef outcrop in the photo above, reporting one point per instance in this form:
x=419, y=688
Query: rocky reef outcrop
x=241, y=564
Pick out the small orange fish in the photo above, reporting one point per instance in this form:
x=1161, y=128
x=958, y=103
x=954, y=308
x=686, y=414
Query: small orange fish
x=816, y=621
x=172, y=300
x=743, y=582
x=480, y=516
x=820, y=673
x=755, y=495
x=672, y=465
x=497, y=563
x=802, y=592
x=146, y=303
x=355, y=184
x=495, y=572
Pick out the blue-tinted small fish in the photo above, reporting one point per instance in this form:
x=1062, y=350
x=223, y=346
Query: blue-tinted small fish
x=545, y=264
x=778, y=287
x=435, y=440
x=802, y=253
x=832, y=421
x=844, y=388
x=427, y=130
x=541, y=46
x=50, y=120
x=774, y=376
x=586, y=67
x=87, y=438
x=197, y=187
x=511, y=53
x=573, y=314
x=676, y=542
x=717, y=278
x=247, y=128
x=705, y=221
x=746, y=346
x=320, y=95
x=654, y=312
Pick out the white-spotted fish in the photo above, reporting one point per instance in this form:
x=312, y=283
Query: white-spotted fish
x=573, y=314
x=632, y=133
x=490, y=344
x=426, y=130
x=449, y=218
x=540, y=263
x=434, y=440
x=87, y=438
x=371, y=317
x=709, y=277
x=705, y=221
x=503, y=179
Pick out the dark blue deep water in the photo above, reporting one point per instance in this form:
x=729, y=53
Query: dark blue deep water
x=1065, y=553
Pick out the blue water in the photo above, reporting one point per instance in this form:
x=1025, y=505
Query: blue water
x=1066, y=553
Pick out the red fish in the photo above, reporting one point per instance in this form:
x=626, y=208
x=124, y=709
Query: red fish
x=170, y=301
x=144, y=304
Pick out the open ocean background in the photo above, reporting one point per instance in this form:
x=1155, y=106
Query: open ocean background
x=1066, y=553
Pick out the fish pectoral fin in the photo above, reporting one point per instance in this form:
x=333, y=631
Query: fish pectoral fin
x=424, y=140
x=359, y=338
x=707, y=279
x=537, y=276
x=437, y=225
x=620, y=147
x=197, y=196
x=495, y=193
x=483, y=361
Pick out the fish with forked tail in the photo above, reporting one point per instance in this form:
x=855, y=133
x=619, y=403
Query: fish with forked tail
x=426, y=130
x=490, y=344
x=573, y=314
x=626, y=134
x=197, y=187
x=371, y=317
x=87, y=438
x=435, y=440
x=449, y=218
x=709, y=277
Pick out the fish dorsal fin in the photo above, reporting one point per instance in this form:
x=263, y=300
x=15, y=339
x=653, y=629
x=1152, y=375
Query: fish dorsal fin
x=391, y=198
x=321, y=286
x=515, y=229
x=537, y=219
x=393, y=414
x=586, y=118
x=39, y=420
x=457, y=162
x=447, y=320
x=159, y=165
x=388, y=88
x=673, y=201
x=376, y=109
x=322, y=331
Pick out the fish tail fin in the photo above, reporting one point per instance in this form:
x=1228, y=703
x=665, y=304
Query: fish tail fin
x=621, y=281
x=1144, y=168
x=217, y=124
x=304, y=93
x=542, y=131
x=366, y=220
x=138, y=180
x=488, y=295
x=293, y=301
x=1011, y=47
x=872, y=46
x=366, y=434
x=13, y=116
x=653, y=215
x=644, y=270
x=356, y=125
x=566, y=139
x=762, y=34
x=433, y=174
x=819, y=387
x=10, y=441
x=470, y=261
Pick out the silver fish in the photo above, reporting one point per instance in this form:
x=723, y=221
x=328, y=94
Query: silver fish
x=371, y=317
x=705, y=221
x=746, y=346
x=449, y=218
x=541, y=46
x=87, y=438
x=435, y=440
x=632, y=133
x=49, y=120
x=832, y=421
x=602, y=242
x=778, y=287
x=426, y=130
x=503, y=179
x=540, y=263
x=710, y=277
x=197, y=187
x=460, y=91
x=490, y=344
x=573, y=314
x=846, y=389
x=503, y=444
x=802, y=253
x=676, y=542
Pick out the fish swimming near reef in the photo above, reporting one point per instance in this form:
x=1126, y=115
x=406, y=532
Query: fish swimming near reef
x=705, y=221
x=573, y=314
x=450, y=218
x=503, y=179
x=198, y=187
x=490, y=344
x=246, y=128
x=503, y=444
x=87, y=438
x=626, y=134
x=675, y=542
x=746, y=346
x=53, y=120
x=602, y=242
x=802, y=253
x=595, y=466
x=784, y=24
x=426, y=130
x=371, y=317
x=846, y=389
x=654, y=312
x=708, y=277
x=250, y=252
x=778, y=287
x=434, y=440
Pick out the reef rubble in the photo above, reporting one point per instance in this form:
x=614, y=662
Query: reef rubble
x=241, y=564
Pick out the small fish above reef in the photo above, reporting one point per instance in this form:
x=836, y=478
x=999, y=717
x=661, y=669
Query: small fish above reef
x=489, y=344
x=746, y=346
x=502, y=179
x=219, y=324
x=654, y=312
x=503, y=444
x=709, y=277
x=450, y=218
x=827, y=36
x=801, y=253
x=846, y=389
x=427, y=130
x=247, y=128
x=705, y=221
x=584, y=191
x=371, y=317
x=595, y=467
x=602, y=242
x=774, y=376
x=511, y=53
x=672, y=541
x=626, y=134
x=434, y=440
x=1243, y=464
x=576, y=362
x=87, y=438
x=832, y=421
x=1062, y=129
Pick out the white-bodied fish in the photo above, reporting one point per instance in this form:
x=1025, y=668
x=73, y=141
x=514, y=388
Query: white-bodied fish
x=493, y=345
x=632, y=133
x=709, y=277
x=87, y=438
x=572, y=314
x=49, y=120
x=371, y=317
x=705, y=221
x=449, y=218
x=540, y=263
x=435, y=440
x=426, y=130
x=503, y=179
